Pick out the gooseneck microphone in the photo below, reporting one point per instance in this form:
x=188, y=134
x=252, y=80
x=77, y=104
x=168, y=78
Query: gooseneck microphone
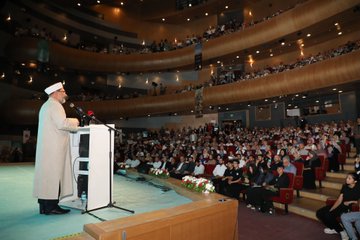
x=78, y=110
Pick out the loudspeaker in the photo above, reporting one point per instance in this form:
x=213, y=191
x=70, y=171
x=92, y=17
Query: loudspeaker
x=84, y=145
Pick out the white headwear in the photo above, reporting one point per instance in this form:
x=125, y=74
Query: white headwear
x=57, y=86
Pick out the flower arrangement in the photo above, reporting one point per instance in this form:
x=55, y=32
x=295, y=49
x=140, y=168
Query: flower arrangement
x=202, y=185
x=160, y=173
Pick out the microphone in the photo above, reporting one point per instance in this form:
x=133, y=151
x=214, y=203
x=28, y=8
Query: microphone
x=78, y=110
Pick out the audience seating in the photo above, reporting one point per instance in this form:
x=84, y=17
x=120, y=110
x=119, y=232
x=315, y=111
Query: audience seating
x=299, y=178
x=286, y=196
x=320, y=172
x=331, y=201
x=208, y=172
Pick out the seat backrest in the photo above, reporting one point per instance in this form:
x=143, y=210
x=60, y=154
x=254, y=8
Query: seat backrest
x=209, y=168
x=299, y=168
x=291, y=180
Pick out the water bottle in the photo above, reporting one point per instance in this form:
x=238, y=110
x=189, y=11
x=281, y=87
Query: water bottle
x=83, y=199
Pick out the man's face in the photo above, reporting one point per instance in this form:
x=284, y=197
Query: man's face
x=61, y=95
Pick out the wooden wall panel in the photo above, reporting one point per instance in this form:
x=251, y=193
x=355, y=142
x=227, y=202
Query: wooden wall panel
x=331, y=72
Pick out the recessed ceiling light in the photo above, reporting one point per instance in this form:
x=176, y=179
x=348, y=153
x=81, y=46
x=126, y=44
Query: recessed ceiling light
x=334, y=89
x=296, y=95
x=188, y=19
x=336, y=24
x=257, y=51
x=283, y=43
x=163, y=19
x=266, y=100
x=308, y=35
x=218, y=61
x=271, y=54
x=79, y=4
x=339, y=33
x=226, y=7
x=227, y=109
x=289, y=104
x=237, y=56
x=149, y=115
x=206, y=14
x=249, y=105
x=340, y=91
x=98, y=1
x=122, y=3
x=303, y=96
x=192, y=111
x=317, y=101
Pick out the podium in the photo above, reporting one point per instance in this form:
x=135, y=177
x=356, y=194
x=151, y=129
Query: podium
x=91, y=147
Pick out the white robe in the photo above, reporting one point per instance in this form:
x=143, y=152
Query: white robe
x=53, y=160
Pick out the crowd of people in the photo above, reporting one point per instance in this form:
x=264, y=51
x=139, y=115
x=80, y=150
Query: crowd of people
x=242, y=159
x=116, y=47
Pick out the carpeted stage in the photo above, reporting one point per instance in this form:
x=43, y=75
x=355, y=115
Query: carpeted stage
x=20, y=219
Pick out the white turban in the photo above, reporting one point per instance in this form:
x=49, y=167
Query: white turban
x=57, y=86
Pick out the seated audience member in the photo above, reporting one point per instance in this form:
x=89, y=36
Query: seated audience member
x=288, y=166
x=302, y=151
x=211, y=160
x=199, y=168
x=333, y=150
x=311, y=162
x=347, y=220
x=349, y=194
x=168, y=165
x=157, y=163
x=223, y=186
x=297, y=157
x=191, y=166
x=357, y=165
x=234, y=181
x=180, y=168
x=276, y=163
x=218, y=172
x=260, y=197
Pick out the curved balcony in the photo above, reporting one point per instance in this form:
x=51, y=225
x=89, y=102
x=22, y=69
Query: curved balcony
x=305, y=15
x=331, y=72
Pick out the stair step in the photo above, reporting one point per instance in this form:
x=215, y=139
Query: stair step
x=304, y=207
x=348, y=167
x=319, y=194
x=341, y=174
x=330, y=182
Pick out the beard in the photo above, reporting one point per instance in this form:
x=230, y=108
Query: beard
x=63, y=100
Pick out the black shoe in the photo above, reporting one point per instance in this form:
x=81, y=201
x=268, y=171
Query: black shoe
x=57, y=210
x=41, y=210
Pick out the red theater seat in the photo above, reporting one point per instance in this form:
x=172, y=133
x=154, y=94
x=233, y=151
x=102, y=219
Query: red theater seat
x=286, y=196
x=299, y=179
x=320, y=172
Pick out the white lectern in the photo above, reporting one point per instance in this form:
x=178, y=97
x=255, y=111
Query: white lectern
x=99, y=171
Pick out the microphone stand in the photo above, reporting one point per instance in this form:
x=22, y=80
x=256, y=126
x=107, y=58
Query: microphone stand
x=110, y=204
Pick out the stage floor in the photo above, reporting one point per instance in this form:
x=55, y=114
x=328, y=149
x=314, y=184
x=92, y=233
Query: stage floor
x=19, y=211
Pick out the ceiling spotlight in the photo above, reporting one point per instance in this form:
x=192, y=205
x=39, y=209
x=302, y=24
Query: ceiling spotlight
x=249, y=105
x=304, y=96
x=271, y=54
x=266, y=100
x=339, y=33
x=149, y=115
x=283, y=43
x=334, y=89
x=79, y=4
x=296, y=95
x=163, y=19
x=257, y=51
x=237, y=56
x=206, y=14
x=2, y=75
x=227, y=109
x=189, y=5
x=8, y=18
x=336, y=24
x=226, y=7
x=122, y=3
x=188, y=19
x=308, y=35
x=340, y=91
x=317, y=101
x=98, y=1
x=192, y=111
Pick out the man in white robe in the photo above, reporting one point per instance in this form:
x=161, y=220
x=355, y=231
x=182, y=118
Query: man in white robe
x=53, y=173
